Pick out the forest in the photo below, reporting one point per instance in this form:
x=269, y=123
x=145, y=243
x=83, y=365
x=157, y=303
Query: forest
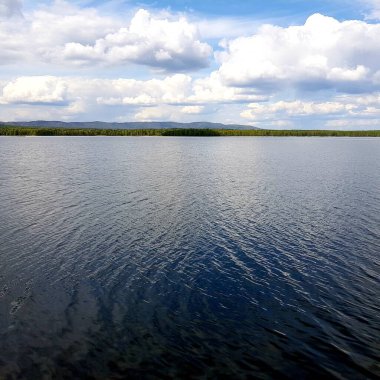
x=35, y=131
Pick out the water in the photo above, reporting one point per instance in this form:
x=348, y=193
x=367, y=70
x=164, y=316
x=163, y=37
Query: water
x=189, y=258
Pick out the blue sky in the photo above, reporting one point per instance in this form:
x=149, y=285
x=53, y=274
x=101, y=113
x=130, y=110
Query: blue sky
x=290, y=11
x=256, y=9
x=273, y=64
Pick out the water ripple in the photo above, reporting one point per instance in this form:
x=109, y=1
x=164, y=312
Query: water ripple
x=189, y=258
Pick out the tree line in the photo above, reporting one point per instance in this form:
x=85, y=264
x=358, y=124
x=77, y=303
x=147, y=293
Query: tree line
x=35, y=131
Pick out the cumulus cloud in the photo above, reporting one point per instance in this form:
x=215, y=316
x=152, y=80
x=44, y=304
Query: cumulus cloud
x=173, y=89
x=171, y=45
x=179, y=97
x=177, y=89
x=296, y=108
x=192, y=109
x=64, y=34
x=38, y=89
x=168, y=112
x=34, y=38
x=53, y=26
x=267, y=77
x=211, y=89
x=341, y=112
x=321, y=54
x=156, y=113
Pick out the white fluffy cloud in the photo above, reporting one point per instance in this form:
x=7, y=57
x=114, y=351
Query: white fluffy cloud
x=59, y=60
x=172, y=45
x=170, y=90
x=177, y=89
x=179, y=97
x=63, y=34
x=296, y=108
x=192, y=109
x=156, y=113
x=38, y=89
x=53, y=26
x=323, y=53
x=342, y=112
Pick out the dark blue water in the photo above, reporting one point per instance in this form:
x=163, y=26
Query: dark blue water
x=189, y=258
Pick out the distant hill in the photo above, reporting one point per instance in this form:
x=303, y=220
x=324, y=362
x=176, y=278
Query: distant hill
x=128, y=125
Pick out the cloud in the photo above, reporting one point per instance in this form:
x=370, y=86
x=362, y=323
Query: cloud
x=341, y=112
x=321, y=54
x=211, y=89
x=55, y=25
x=322, y=73
x=170, y=45
x=156, y=113
x=173, y=89
x=296, y=108
x=226, y=27
x=63, y=34
x=192, y=109
x=282, y=124
x=35, y=90
x=35, y=38
x=178, y=97
x=374, y=9
x=353, y=124
x=10, y=8
x=168, y=112
x=177, y=89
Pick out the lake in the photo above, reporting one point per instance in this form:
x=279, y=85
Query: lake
x=186, y=257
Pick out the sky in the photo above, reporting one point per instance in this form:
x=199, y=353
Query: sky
x=276, y=64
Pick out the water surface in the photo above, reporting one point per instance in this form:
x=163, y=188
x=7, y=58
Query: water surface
x=189, y=257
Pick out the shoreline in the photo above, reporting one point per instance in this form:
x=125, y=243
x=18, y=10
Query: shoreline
x=35, y=131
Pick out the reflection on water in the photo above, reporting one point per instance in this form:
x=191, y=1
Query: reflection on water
x=189, y=257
